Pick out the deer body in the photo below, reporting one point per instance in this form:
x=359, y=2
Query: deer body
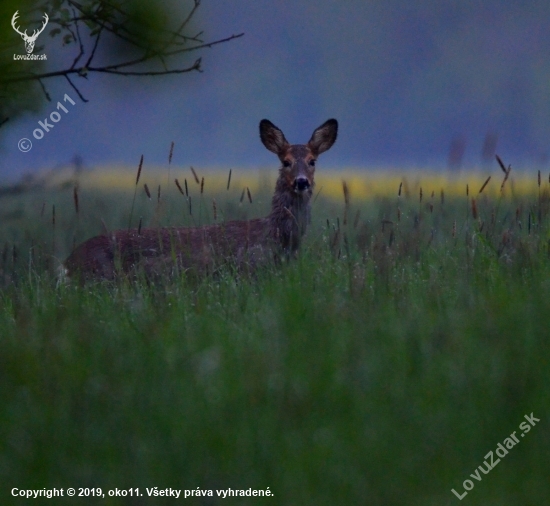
x=245, y=243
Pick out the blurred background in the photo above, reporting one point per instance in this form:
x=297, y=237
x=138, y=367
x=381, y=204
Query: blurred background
x=413, y=84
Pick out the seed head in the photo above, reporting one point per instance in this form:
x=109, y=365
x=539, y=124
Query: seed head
x=147, y=192
x=171, y=153
x=139, y=170
x=178, y=185
x=195, y=175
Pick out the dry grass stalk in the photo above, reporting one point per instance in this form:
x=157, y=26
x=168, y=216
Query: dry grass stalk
x=467, y=190
x=53, y=232
x=179, y=186
x=171, y=153
x=139, y=170
x=135, y=191
x=538, y=178
x=484, y=184
x=398, y=214
x=356, y=219
x=242, y=196
x=75, y=198
x=346, y=192
x=147, y=192
x=432, y=235
x=346, y=201
x=400, y=188
x=140, y=223
x=505, y=178
x=229, y=179
x=505, y=170
x=195, y=176
x=249, y=195
x=474, y=209
x=104, y=227
x=202, y=185
x=186, y=188
x=420, y=195
x=502, y=167
x=158, y=195
x=318, y=193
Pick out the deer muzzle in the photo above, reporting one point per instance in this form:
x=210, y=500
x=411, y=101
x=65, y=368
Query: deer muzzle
x=301, y=184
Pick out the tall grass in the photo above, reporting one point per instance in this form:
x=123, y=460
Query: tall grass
x=379, y=367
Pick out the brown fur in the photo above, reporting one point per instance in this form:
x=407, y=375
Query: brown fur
x=157, y=251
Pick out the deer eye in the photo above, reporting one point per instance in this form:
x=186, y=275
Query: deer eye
x=312, y=163
x=286, y=163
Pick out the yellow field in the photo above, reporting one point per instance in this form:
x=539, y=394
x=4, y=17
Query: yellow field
x=363, y=184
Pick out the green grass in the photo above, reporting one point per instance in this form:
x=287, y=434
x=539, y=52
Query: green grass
x=378, y=368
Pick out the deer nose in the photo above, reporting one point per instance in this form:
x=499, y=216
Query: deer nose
x=301, y=184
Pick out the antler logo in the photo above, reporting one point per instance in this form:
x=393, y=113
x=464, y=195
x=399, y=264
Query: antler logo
x=29, y=39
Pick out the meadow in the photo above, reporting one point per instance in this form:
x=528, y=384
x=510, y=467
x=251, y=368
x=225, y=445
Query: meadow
x=406, y=341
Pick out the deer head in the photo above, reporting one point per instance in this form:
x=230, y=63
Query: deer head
x=298, y=160
x=29, y=39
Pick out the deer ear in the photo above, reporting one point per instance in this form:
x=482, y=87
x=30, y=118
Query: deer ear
x=273, y=138
x=324, y=137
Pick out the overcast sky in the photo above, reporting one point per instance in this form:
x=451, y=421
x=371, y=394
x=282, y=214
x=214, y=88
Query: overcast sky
x=403, y=79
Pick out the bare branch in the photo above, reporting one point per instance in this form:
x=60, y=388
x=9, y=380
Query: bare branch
x=81, y=53
x=92, y=54
x=115, y=69
x=48, y=98
x=75, y=89
x=196, y=66
x=151, y=56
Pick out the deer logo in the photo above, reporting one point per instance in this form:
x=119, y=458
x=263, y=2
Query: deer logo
x=29, y=39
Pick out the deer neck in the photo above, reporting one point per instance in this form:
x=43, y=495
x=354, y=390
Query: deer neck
x=290, y=215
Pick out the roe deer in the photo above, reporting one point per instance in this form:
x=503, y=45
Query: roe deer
x=245, y=243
